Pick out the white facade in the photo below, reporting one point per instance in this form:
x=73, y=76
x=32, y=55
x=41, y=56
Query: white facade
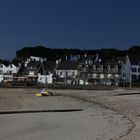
x=81, y=82
x=130, y=71
x=3, y=68
x=6, y=73
x=11, y=69
x=43, y=79
x=126, y=70
x=67, y=73
x=135, y=72
x=32, y=73
x=1, y=77
x=102, y=76
x=34, y=58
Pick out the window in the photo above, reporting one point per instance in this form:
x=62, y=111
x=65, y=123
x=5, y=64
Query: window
x=10, y=66
x=134, y=69
x=116, y=76
x=82, y=75
x=109, y=76
x=73, y=74
x=116, y=68
x=66, y=73
x=101, y=67
x=108, y=67
x=138, y=69
x=90, y=76
x=124, y=74
x=101, y=76
x=10, y=72
x=94, y=67
x=94, y=75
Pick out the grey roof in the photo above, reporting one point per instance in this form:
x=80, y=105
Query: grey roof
x=134, y=61
x=120, y=58
x=88, y=57
x=33, y=64
x=49, y=66
x=68, y=65
x=22, y=71
x=113, y=63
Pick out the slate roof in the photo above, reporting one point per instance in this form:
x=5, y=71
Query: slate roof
x=50, y=66
x=112, y=63
x=134, y=61
x=88, y=57
x=33, y=64
x=5, y=64
x=68, y=65
x=22, y=71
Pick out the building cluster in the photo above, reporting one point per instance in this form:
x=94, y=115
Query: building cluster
x=86, y=70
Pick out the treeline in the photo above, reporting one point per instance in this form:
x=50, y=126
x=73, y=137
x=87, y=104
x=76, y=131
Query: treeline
x=54, y=53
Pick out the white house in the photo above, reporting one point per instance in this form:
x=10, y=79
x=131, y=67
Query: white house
x=34, y=58
x=126, y=70
x=67, y=71
x=12, y=68
x=43, y=79
x=6, y=72
x=48, y=72
x=3, y=68
x=100, y=73
x=1, y=76
x=130, y=70
x=135, y=72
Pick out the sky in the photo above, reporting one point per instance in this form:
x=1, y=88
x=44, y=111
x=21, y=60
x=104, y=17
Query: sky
x=83, y=24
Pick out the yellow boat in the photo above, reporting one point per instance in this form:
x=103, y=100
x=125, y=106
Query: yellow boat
x=38, y=94
x=44, y=92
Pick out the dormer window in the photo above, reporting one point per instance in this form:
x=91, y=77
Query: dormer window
x=94, y=67
x=101, y=67
x=116, y=68
x=108, y=67
x=73, y=74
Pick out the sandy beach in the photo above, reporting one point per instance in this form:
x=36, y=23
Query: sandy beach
x=105, y=115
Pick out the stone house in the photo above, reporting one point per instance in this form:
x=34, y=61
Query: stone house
x=67, y=72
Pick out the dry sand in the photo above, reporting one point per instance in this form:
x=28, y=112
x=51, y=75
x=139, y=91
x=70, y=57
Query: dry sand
x=123, y=101
x=109, y=114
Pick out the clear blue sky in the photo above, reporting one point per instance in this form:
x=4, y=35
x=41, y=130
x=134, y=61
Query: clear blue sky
x=84, y=24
